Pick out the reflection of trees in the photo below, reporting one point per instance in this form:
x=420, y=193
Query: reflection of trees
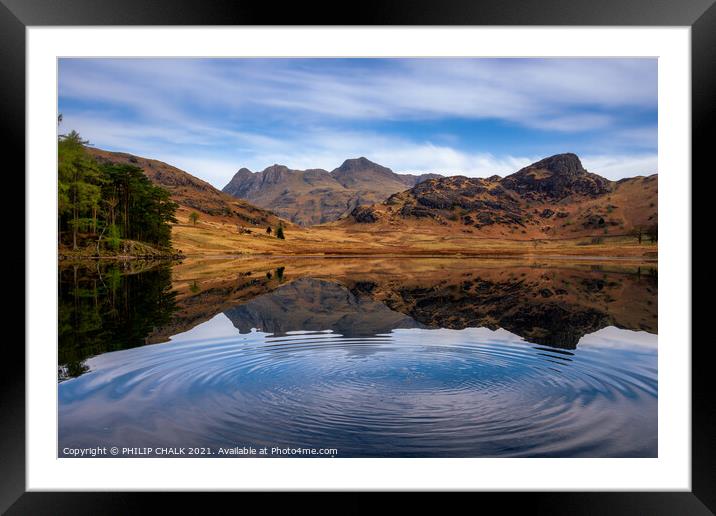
x=105, y=309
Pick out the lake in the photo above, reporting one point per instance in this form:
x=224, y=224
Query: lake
x=359, y=357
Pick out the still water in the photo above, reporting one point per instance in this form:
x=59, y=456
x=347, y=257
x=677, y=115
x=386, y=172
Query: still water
x=361, y=357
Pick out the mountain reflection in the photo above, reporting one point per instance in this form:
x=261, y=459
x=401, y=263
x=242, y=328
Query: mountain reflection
x=309, y=304
x=547, y=305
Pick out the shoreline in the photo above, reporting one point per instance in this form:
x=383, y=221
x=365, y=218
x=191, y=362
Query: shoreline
x=431, y=256
x=119, y=258
x=346, y=256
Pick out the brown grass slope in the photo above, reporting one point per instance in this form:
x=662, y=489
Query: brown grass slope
x=191, y=193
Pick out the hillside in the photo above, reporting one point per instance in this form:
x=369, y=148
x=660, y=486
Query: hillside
x=316, y=196
x=191, y=193
x=437, y=217
x=552, y=198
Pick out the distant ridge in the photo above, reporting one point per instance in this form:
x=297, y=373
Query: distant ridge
x=316, y=196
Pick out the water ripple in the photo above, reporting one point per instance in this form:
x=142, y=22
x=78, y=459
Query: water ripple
x=411, y=392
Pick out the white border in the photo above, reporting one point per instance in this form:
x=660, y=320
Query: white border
x=670, y=471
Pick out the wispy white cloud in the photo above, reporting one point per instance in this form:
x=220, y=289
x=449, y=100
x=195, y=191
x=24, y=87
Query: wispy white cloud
x=619, y=166
x=531, y=92
x=212, y=117
x=322, y=148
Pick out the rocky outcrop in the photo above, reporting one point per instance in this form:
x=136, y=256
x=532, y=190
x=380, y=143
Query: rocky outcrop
x=364, y=214
x=556, y=178
x=473, y=201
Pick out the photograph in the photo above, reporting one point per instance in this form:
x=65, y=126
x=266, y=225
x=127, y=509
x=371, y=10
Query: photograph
x=410, y=247
x=343, y=257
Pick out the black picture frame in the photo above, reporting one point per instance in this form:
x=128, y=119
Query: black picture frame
x=16, y=15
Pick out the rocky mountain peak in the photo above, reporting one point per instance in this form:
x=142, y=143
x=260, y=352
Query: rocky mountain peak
x=275, y=173
x=555, y=178
x=241, y=176
x=361, y=170
x=276, y=168
x=357, y=165
x=563, y=164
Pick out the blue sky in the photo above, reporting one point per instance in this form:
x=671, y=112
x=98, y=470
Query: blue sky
x=475, y=117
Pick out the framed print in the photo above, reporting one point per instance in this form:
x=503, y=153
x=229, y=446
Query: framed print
x=416, y=253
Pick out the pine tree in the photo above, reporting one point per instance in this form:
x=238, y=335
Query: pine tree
x=109, y=200
x=79, y=184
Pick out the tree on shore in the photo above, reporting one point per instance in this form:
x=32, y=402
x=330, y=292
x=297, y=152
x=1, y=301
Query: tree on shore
x=193, y=217
x=268, y=230
x=144, y=211
x=79, y=184
x=279, y=232
x=637, y=233
x=107, y=200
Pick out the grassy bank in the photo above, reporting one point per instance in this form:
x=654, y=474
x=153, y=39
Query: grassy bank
x=127, y=250
x=216, y=237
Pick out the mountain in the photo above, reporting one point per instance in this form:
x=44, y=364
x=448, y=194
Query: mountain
x=316, y=196
x=191, y=193
x=363, y=174
x=554, y=197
